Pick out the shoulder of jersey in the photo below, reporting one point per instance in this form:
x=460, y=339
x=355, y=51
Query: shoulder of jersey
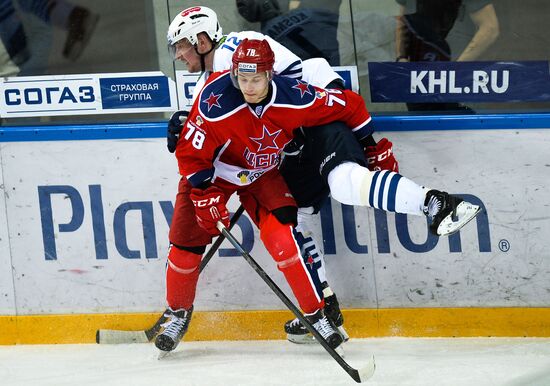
x=294, y=92
x=219, y=98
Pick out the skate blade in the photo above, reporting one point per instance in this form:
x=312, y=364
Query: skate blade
x=343, y=333
x=301, y=339
x=465, y=212
x=163, y=354
x=340, y=350
x=310, y=339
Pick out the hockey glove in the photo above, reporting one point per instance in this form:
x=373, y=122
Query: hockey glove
x=210, y=208
x=175, y=124
x=380, y=157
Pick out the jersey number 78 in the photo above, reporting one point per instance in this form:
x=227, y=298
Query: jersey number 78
x=198, y=137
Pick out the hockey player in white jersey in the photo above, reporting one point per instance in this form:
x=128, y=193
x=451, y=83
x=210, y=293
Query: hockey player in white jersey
x=338, y=167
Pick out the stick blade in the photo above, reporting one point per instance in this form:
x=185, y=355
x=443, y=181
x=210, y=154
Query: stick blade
x=366, y=372
x=120, y=337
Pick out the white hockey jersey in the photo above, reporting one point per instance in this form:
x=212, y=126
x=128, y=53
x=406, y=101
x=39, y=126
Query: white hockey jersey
x=316, y=72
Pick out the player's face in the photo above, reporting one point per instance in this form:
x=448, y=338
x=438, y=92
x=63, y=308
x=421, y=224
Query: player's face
x=253, y=86
x=185, y=52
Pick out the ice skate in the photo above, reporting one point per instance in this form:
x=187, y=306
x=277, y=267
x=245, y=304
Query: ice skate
x=174, y=329
x=296, y=332
x=448, y=213
x=332, y=310
x=320, y=322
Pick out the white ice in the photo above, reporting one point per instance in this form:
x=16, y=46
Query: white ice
x=399, y=361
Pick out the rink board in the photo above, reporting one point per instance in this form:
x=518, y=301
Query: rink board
x=87, y=224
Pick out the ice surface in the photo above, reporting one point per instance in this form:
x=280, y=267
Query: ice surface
x=399, y=361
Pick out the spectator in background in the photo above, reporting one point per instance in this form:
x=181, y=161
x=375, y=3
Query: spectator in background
x=78, y=21
x=422, y=30
x=308, y=32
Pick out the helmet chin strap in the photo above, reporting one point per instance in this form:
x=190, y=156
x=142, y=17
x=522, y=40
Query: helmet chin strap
x=203, y=56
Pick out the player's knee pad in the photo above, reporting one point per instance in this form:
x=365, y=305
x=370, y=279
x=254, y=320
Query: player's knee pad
x=350, y=183
x=286, y=215
x=182, y=260
x=279, y=241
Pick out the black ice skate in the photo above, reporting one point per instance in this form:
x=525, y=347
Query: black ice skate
x=448, y=213
x=320, y=322
x=174, y=329
x=296, y=332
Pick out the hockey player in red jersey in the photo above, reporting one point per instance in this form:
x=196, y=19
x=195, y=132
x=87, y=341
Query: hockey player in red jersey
x=195, y=38
x=325, y=155
x=231, y=143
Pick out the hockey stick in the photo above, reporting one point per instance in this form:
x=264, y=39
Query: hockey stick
x=145, y=336
x=360, y=375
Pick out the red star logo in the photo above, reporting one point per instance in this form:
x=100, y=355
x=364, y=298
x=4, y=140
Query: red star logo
x=310, y=261
x=267, y=140
x=212, y=100
x=303, y=87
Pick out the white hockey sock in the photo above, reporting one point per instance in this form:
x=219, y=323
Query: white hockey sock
x=409, y=197
x=308, y=226
x=353, y=184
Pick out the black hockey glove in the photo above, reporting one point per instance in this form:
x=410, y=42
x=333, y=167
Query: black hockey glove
x=175, y=124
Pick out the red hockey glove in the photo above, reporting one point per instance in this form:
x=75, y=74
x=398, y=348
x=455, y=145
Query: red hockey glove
x=380, y=157
x=210, y=208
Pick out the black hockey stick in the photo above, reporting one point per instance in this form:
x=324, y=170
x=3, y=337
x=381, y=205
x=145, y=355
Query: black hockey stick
x=360, y=375
x=145, y=336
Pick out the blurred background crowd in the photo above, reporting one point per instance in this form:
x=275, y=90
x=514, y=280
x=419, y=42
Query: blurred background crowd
x=52, y=37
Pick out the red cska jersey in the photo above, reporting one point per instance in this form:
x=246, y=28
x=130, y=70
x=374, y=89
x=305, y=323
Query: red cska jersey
x=225, y=141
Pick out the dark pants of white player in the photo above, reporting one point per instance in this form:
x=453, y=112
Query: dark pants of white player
x=325, y=147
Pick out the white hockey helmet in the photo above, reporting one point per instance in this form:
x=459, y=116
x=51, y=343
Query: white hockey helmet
x=190, y=22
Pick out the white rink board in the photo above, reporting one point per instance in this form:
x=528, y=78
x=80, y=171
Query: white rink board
x=7, y=297
x=507, y=170
x=510, y=172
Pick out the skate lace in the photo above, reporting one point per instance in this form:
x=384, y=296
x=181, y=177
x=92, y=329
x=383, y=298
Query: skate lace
x=174, y=326
x=295, y=322
x=323, y=327
x=433, y=207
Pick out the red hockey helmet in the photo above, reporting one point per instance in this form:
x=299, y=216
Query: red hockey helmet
x=253, y=56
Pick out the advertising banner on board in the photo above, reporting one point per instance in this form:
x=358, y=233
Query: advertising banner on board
x=89, y=220
x=429, y=82
x=54, y=95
